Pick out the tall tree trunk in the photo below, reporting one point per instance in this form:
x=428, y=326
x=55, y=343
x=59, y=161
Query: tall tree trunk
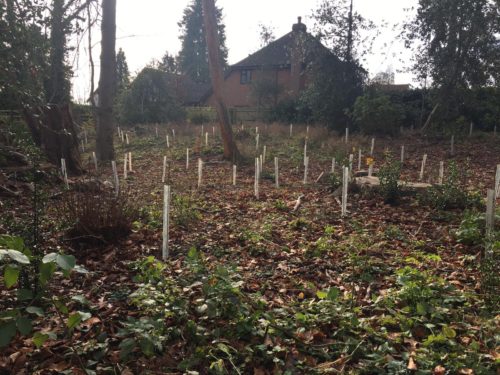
x=57, y=91
x=105, y=124
x=230, y=149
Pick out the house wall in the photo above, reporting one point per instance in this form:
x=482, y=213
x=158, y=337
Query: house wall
x=239, y=95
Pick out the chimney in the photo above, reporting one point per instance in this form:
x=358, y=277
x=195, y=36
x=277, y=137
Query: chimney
x=299, y=26
x=297, y=56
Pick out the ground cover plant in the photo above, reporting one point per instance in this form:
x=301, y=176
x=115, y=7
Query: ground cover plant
x=256, y=286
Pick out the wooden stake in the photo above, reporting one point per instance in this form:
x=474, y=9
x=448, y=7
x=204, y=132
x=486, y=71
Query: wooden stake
x=206, y=139
x=130, y=162
x=276, y=173
x=497, y=182
x=156, y=130
x=166, y=222
x=64, y=173
x=319, y=177
x=127, y=140
x=346, y=135
x=345, y=187
x=257, y=178
x=370, y=170
x=164, y=169
x=173, y=134
x=257, y=141
x=125, y=159
x=291, y=130
x=94, y=157
x=490, y=212
x=115, y=175
x=441, y=173
x=351, y=160
x=187, y=158
x=306, y=167
x=422, y=168
x=168, y=142
x=471, y=129
x=305, y=151
x=334, y=163
x=372, y=148
x=359, y=159
x=402, y=154
x=200, y=172
x=264, y=152
x=234, y=175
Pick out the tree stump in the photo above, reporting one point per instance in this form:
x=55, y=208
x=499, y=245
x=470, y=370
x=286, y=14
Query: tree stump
x=55, y=132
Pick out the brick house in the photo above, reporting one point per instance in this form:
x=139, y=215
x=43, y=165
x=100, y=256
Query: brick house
x=281, y=64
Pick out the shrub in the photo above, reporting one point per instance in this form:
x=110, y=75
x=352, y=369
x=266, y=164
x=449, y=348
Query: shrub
x=452, y=194
x=471, y=230
x=150, y=99
x=389, y=180
x=184, y=211
x=99, y=217
x=376, y=114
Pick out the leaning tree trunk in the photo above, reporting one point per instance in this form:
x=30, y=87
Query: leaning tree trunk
x=55, y=132
x=230, y=149
x=106, y=91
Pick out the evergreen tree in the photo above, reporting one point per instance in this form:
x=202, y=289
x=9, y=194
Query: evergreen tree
x=193, y=57
x=455, y=43
x=23, y=69
x=168, y=63
x=122, y=72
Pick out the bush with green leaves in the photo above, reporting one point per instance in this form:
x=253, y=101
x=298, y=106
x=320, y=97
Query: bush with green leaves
x=376, y=114
x=389, y=180
x=184, y=210
x=17, y=262
x=471, y=230
x=452, y=194
x=150, y=99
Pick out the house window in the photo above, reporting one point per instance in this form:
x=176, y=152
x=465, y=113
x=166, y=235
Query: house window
x=246, y=77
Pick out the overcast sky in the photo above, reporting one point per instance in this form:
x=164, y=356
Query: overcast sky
x=146, y=29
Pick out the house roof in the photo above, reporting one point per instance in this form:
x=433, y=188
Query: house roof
x=278, y=53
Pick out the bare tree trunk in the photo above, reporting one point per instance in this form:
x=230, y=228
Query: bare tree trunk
x=55, y=133
x=105, y=123
x=230, y=149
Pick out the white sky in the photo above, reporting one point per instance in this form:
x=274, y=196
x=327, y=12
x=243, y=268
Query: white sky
x=146, y=29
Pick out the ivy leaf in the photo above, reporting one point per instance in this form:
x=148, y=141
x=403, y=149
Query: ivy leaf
x=10, y=276
x=39, y=339
x=321, y=295
x=24, y=325
x=333, y=294
x=147, y=347
x=449, y=332
x=7, y=332
x=74, y=320
x=127, y=346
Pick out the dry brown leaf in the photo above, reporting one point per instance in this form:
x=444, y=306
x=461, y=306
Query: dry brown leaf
x=439, y=370
x=412, y=366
